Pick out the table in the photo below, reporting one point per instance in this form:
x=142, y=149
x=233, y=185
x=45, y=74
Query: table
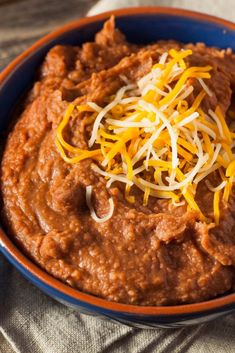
x=22, y=22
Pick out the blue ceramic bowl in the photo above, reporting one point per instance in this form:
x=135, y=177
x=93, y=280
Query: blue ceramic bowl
x=141, y=25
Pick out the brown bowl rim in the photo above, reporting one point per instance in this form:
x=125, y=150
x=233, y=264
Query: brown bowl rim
x=43, y=276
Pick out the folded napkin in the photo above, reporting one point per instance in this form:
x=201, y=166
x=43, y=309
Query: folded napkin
x=31, y=322
x=220, y=8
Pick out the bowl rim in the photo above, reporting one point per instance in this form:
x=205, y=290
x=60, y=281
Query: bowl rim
x=35, y=270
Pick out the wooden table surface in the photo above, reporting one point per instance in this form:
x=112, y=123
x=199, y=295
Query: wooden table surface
x=22, y=22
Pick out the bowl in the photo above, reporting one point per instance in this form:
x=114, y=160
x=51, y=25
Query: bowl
x=140, y=25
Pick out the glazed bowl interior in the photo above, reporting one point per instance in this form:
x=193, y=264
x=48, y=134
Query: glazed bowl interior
x=140, y=25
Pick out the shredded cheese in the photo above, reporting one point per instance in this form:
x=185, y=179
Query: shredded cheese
x=153, y=137
x=216, y=188
x=216, y=206
x=92, y=211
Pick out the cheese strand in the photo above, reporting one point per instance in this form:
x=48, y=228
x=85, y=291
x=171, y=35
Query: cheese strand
x=155, y=137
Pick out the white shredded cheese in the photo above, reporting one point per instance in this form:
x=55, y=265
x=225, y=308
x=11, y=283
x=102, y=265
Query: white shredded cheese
x=94, y=106
x=91, y=208
x=205, y=87
x=217, y=188
x=215, y=117
x=120, y=177
x=153, y=137
x=104, y=111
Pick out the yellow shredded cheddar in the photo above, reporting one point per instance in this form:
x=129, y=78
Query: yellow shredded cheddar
x=216, y=206
x=152, y=136
x=146, y=196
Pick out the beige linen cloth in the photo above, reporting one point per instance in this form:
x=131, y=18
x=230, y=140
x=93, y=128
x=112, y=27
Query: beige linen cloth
x=31, y=322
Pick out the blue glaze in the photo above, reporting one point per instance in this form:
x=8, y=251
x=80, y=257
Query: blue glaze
x=140, y=28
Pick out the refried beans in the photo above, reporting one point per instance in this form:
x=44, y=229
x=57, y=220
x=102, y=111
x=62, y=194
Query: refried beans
x=154, y=254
